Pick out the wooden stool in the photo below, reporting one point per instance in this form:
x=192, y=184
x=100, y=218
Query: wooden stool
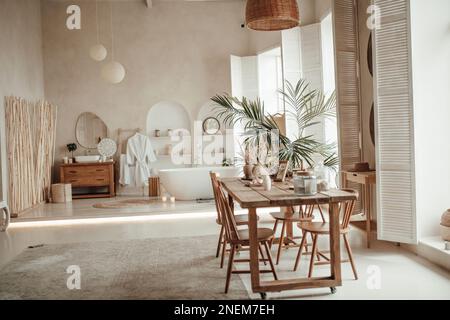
x=154, y=189
x=4, y=222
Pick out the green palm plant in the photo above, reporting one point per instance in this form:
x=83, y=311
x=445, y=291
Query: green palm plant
x=303, y=105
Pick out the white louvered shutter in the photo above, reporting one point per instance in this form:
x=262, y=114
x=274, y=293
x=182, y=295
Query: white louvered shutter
x=347, y=85
x=311, y=53
x=311, y=49
x=292, y=69
x=394, y=124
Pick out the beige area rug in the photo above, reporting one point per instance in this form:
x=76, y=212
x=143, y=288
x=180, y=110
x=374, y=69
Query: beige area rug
x=128, y=203
x=168, y=268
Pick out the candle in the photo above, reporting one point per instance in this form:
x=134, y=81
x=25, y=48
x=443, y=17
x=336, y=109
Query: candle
x=164, y=198
x=172, y=199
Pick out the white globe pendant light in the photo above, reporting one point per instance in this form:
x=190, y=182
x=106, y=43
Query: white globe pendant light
x=113, y=72
x=98, y=52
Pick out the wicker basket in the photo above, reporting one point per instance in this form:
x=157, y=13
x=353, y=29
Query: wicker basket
x=61, y=193
x=271, y=15
x=154, y=189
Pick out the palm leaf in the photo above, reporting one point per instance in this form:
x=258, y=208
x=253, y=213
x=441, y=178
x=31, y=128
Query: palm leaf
x=304, y=105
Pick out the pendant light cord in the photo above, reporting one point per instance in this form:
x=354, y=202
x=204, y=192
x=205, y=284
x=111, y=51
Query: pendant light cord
x=112, y=32
x=96, y=20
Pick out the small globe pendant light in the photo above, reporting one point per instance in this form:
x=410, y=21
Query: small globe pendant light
x=113, y=71
x=97, y=52
x=271, y=15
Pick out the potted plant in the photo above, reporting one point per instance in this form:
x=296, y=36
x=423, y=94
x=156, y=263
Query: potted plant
x=303, y=105
x=72, y=147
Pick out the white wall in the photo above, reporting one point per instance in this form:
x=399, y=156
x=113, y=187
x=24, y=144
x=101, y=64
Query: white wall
x=21, y=65
x=430, y=36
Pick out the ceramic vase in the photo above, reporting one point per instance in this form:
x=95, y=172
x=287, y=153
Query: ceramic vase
x=445, y=225
x=267, y=183
x=257, y=173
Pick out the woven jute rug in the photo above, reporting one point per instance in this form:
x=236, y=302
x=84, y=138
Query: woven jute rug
x=165, y=268
x=128, y=203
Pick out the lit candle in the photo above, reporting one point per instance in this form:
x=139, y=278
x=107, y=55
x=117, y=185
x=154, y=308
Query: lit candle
x=164, y=198
x=172, y=199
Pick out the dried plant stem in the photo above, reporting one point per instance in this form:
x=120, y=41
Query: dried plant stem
x=30, y=133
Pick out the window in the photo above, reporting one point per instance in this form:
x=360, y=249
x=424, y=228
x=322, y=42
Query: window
x=270, y=80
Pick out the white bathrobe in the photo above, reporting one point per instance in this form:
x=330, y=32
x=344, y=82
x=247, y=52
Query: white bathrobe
x=140, y=154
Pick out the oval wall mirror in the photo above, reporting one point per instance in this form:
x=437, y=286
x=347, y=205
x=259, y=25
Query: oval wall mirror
x=370, y=55
x=372, y=124
x=211, y=125
x=90, y=130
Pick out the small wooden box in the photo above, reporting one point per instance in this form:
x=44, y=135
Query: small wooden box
x=61, y=192
x=154, y=189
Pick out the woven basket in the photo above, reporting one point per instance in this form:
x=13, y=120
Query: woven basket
x=271, y=15
x=61, y=193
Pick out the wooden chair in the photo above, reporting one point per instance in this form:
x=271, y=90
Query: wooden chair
x=237, y=237
x=322, y=228
x=241, y=219
x=289, y=216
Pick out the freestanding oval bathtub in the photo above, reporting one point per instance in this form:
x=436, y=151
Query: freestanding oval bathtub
x=193, y=183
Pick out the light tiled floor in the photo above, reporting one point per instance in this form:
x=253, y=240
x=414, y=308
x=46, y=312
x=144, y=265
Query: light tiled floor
x=402, y=274
x=84, y=209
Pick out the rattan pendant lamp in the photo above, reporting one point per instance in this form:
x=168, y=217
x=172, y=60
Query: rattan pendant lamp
x=271, y=15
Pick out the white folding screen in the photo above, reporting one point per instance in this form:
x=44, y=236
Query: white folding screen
x=394, y=124
x=302, y=59
x=311, y=53
x=292, y=68
x=244, y=83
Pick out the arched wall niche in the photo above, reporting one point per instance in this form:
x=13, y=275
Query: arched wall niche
x=166, y=115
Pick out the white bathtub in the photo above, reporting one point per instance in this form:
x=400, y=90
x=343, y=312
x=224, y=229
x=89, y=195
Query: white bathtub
x=193, y=183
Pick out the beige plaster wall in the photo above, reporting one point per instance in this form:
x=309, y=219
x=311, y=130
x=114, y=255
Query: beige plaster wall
x=322, y=8
x=21, y=64
x=177, y=51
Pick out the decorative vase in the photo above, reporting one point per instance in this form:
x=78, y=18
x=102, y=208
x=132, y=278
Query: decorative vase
x=267, y=183
x=445, y=225
x=248, y=169
x=257, y=172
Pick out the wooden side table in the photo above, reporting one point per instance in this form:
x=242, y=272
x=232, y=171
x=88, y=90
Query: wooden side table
x=367, y=180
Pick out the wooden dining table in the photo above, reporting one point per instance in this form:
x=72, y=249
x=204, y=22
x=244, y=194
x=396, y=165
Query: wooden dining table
x=254, y=197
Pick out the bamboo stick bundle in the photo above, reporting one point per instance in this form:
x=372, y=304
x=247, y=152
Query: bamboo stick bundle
x=31, y=135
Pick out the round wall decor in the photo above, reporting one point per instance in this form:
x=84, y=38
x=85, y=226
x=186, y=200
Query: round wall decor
x=211, y=126
x=107, y=147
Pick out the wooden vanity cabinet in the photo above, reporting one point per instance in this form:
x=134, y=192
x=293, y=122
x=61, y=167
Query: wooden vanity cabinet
x=89, y=176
